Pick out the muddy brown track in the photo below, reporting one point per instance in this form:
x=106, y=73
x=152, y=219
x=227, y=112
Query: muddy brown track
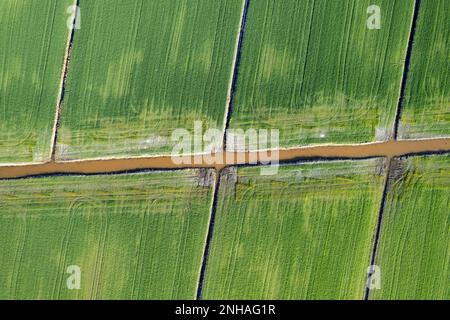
x=387, y=149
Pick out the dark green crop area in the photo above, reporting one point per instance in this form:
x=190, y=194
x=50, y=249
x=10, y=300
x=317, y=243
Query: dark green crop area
x=426, y=113
x=314, y=71
x=33, y=38
x=141, y=69
x=137, y=236
x=305, y=233
x=414, y=254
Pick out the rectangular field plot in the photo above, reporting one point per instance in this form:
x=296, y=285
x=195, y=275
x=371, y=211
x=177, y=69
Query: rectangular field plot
x=33, y=37
x=313, y=70
x=138, y=236
x=141, y=69
x=426, y=113
x=414, y=252
x=305, y=233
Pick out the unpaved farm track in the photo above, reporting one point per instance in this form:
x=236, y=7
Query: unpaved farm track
x=387, y=149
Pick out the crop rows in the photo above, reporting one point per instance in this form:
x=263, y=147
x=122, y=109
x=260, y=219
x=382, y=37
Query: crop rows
x=143, y=69
x=313, y=70
x=306, y=233
x=33, y=35
x=426, y=110
x=139, y=70
x=414, y=253
x=133, y=236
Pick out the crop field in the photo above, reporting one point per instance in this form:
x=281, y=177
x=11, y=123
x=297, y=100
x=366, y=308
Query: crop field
x=138, y=236
x=305, y=233
x=427, y=107
x=141, y=69
x=33, y=37
x=352, y=202
x=313, y=70
x=414, y=254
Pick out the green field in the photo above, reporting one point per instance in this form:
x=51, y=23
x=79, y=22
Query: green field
x=137, y=236
x=33, y=37
x=305, y=233
x=427, y=106
x=414, y=254
x=135, y=71
x=141, y=69
x=313, y=70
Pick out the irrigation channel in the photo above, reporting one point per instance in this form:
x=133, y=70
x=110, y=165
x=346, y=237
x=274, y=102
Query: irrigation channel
x=389, y=149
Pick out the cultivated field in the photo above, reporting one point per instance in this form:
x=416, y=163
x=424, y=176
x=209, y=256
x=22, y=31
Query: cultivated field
x=427, y=107
x=137, y=236
x=141, y=69
x=33, y=37
x=135, y=71
x=313, y=70
x=305, y=233
x=414, y=254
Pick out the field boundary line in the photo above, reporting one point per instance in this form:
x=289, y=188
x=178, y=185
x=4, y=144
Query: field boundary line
x=209, y=236
x=235, y=71
x=387, y=149
x=406, y=67
x=377, y=232
x=400, y=105
x=63, y=82
x=226, y=123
